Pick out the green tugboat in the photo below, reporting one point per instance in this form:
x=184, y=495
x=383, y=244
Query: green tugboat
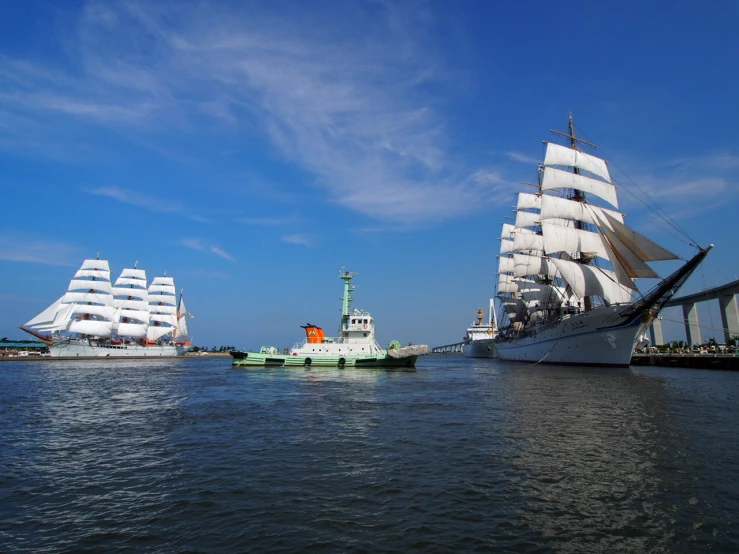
x=355, y=345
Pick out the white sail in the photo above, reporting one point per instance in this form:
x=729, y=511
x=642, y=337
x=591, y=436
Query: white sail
x=81, y=284
x=153, y=332
x=626, y=259
x=542, y=295
x=587, y=280
x=528, y=201
x=182, y=317
x=136, y=274
x=506, y=283
x=140, y=315
x=132, y=304
x=528, y=242
x=558, y=179
x=123, y=282
x=46, y=317
x=573, y=241
x=507, y=231
x=532, y=265
x=135, y=294
x=506, y=246
x=61, y=321
x=106, y=312
x=562, y=155
x=91, y=327
x=646, y=249
x=86, y=297
x=162, y=309
x=528, y=219
x=94, y=273
x=555, y=207
x=505, y=264
x=96, y=264
x=134, y=330
x=170, y=319
x=132, y=301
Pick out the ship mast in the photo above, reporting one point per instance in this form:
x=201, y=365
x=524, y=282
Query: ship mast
x=347, y=299
x=578, y=195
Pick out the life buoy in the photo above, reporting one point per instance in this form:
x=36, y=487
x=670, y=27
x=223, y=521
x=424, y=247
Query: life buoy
x=308, y=361
x=364, y=326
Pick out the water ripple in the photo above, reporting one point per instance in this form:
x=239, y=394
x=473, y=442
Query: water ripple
x=457, y=455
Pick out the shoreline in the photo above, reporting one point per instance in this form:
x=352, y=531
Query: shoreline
x=89, y=358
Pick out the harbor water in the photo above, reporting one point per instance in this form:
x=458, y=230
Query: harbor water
x=458, y=455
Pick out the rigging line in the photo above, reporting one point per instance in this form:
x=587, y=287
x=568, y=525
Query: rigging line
x=701, y=326
x=654, y=208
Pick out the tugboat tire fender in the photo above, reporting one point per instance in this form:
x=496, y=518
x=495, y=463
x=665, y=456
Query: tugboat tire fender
x=342, y=361
x=308, y=361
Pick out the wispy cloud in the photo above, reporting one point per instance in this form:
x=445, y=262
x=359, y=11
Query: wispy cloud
x=523, y=158
x=19, y=248
x=135, y=198
x=199, y=244
x=350, y=103
x=267, y=221
x=298, y=239
x=195, y=244
x=221, y=252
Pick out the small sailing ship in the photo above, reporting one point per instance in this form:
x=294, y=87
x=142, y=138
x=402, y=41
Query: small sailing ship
x=355, y=344
x=479, y=341
x=97, y=318
x=567, y=267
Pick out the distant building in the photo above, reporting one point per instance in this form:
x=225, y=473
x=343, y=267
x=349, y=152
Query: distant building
x=7, y=347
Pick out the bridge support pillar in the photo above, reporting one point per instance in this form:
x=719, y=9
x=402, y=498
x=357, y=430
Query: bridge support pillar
x=655, y=332
x=729, y=317
x=692, y=327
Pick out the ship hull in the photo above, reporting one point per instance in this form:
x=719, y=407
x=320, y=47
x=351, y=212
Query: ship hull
x=482, y=348
x=601, y=337
x=84, y=349
x=257, y=359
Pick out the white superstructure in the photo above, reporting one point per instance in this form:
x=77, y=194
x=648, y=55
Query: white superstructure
x=479, y=342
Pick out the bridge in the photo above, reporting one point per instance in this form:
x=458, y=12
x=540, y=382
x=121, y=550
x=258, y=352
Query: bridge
x=726, y=296
x=448, y=348
x=727, y=299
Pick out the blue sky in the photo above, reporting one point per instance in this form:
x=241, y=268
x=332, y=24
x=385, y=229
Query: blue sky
x=251, y=149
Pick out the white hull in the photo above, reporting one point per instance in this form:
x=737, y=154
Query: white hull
x=481, y=348
x=600, y=337
x=83, y=349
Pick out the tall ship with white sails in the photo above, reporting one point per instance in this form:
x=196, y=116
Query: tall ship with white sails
x=567, y=267
x=97, y=318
